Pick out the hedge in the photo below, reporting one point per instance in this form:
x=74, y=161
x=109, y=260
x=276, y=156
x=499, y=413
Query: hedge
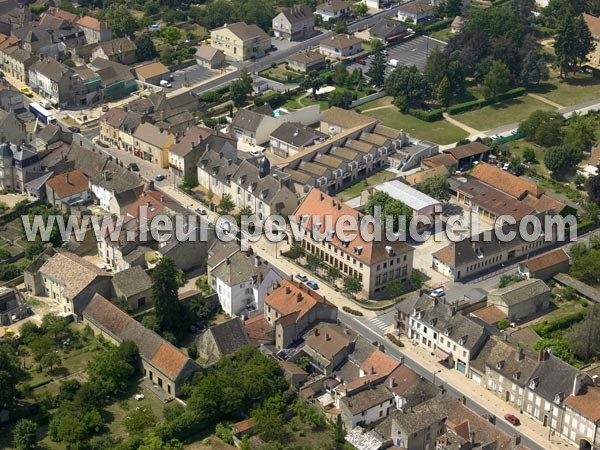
x=274, y=99
x=562, y=323
x=439, y=25
x=427, y=115
x=352, y=311
x=475, y=104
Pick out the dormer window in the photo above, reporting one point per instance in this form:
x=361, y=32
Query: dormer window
x=433, y=321
x=462, y=340
x=448, y=331
x=517, y=375
x=559, y=397
x=534, y=383
x=500, y=365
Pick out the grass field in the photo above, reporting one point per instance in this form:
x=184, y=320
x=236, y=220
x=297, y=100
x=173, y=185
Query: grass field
x=442, y=35
x=517, y=147
x=383, y=101
x=297, y=103
x=355, y=190
x=507, y=112
x=440, y=132
x=576, y=89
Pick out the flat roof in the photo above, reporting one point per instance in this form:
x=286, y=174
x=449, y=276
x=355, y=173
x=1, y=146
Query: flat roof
x=412, y=197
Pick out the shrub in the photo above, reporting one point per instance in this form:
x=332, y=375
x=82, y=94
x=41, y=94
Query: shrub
x=275, y=100
x=354, y=312
x=474, y=104
x=503, y=324
x=394, y=339
x=545, y=328
x=427, y=115
x=437, y=26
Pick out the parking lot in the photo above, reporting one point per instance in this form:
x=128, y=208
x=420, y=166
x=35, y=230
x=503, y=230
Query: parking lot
x=191, y=75
x=412, y=52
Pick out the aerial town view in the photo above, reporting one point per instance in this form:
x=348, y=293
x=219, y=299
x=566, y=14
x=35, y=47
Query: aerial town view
x=300, y=224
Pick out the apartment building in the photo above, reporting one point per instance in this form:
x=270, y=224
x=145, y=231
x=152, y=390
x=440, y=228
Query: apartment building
x=241, y=41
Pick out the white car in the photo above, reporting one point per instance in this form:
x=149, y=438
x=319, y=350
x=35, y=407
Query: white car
x=439, y=292
x=301, y=277
x=255, y=153
x=139, y=397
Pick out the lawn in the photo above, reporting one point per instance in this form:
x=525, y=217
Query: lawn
x=518, y=146
x=504, y=113
x=576, y=89
x=356, y=189
x=442, y=35
x=440, y=132
x=383, y=101
x=280, y=73
x=294, y=103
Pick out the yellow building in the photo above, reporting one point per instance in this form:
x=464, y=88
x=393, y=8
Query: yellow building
x=593, y=24
x=241, y=41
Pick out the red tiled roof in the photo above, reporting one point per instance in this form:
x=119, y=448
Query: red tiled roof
x=546, y=260
x=69, y=183
x=169, y=359
x=505, y=181
x=92, y=23
x=587, y=402
x=292, y=298
x=490, y=314
x=378, y=363
x=467, y=150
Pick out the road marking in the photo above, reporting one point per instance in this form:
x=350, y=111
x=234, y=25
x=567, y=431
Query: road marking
x=378, y=323
x=364, y=325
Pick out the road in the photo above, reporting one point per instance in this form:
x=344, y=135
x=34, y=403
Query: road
x=282, y=54
x=362, y=326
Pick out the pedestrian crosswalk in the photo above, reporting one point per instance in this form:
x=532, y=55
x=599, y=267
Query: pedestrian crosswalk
x=378, y=323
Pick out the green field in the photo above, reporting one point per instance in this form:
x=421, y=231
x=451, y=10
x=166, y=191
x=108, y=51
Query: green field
x=356, y=189
x=507, y=112
x=573, y=90
x=383, y=101
x=440, y=132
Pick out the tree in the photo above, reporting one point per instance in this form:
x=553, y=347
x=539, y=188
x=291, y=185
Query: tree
x=171, y=35
x=594, y=189
x=314, y=262
x=313, y=81
x=145, y=49
x=270, y=425
x=193, y=350
x=395, y=288
x=585, y=335
x=139, y=420
x=32, y=249
x=497, y=80
x=24, y=437
x=407, y=82
x=534, y=69
x=360, y=9
x=109, y=373
x=340, y=74
x=416, y=279
x=153, y=442
x=296, y=251
x=529, y=155
x=376, y=72
x=580, y=131
x=119, y=18
x=543, y=127
x=50, y=360
x=341, y=27
x=444, y=92
x=190, y=180
x=165, y=294
x=226, y=204
x=572, y=44
x=435, y=69
x=508, y=279
x=352, y=285
x=341, y=99
x=333, y=273
x=579, y=181
x=238, y=93
x=503, y=324
x=390, y=207
x=437, y=187
x=558, y=160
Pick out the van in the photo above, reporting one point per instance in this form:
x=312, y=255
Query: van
x=393, y=63
x=45, y=104
x=165, y=83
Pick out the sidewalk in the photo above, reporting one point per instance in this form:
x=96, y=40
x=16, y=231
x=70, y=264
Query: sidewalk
x=479, y=394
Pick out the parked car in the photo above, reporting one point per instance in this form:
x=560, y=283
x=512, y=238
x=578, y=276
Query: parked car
x=361, y=61
x=313, y=285
x=74, y=130
x=165, y=83
x=301, y=277
x=133, y=167
x=511, y=418
x=439, y=292
x=25, y=90
x=255, y=153
x=159, y=177
x=45, y=104
x=105, y=108
x=201, y=211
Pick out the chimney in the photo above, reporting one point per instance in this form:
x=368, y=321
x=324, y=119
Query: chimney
x=543, y=355
x=162, y=198
x=453, y=310
x=520, y=353
x=228, y=260
x=316, y=331
x=327, y=337
x=391, y=382
x=67, y=178
x=256, y=261
x=577, y=384
x=288, y=290
x=299, y=297
x=472, y=436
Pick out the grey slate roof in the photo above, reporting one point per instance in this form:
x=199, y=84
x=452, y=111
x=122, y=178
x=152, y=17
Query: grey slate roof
x=247, y=120
x=459, y=326
x=520, y=292
x=118, y=180
x=421, y=416
x=229, y=336
x=132, y=281
x=387, y=27
x=51, y=68
x=240, y=267
x=296, y=134
x=366, y=399
x=266, y=188
x=554, y=376
x=298, y=13
x=117, y=46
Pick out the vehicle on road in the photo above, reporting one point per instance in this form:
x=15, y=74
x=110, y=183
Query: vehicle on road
x=45, y=104
x=313, y=285
x=439, y=292
x=301, y=276
x=133, y=167
x=104, y=108
x=25, y=90
x=201, y=211
x=511, y=418
x=165, y=83
x=42, y=113
x=255, y=153
x=159, y=177
x=74, y=129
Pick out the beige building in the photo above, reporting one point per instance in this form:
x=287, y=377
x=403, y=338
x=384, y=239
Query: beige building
x=241, y=41
x=375, y=263
x=152, y=144
x=521, y=300
x=117, y=127
x=16, y=61
x=593, y=24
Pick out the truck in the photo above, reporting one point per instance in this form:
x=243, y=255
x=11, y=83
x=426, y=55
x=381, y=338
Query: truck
x=42, y=113
x=393, y=63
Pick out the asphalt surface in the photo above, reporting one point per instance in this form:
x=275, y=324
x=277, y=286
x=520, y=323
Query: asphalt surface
x=362, y=326
x=191, y=75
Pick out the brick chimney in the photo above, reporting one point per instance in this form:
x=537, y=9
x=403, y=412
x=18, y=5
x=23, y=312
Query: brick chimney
x=543, y=355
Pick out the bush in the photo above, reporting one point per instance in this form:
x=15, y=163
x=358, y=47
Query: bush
x=354, y=312
x=427, y=115
x=503, y=324
x=545, y=328
x=395, y=340
x=437, y=26
x=275, y=100
x=474, y=104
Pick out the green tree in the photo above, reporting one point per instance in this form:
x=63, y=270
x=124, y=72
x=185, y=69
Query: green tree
x=594, y=189
x=529, y=155
x=341, y=27
x=165, y=295
x=585, y=335
x=314, y=262
x=497, y=80
x=390, y=207
x=352, y=285
x=572, y=44
x=238, y=93
x=192, y=350
x=109, y=373
x=314, y=82
x=395, y=288
x=416, y=279
x=190, y=180
x=270, y=425
x=226, y=204
x=145, y=49
x=50, y=361
x=508, y=279
x=296, y=251
x=376, y=72
x=534, y=69
x=119, y=18
x=32, y=249
x=558, y=160
x=24, y=437
x=171, y=35
x=435, y=69
x=407, y=82
x=580, y=131
x=139, y=420
x=444, y=92
x=333, y=273
x=543, y=127
x=360, y=9
x=579, y=181
x=341, y=99
x=437, y=187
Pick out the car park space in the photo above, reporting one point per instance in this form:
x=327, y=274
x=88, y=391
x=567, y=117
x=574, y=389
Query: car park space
x=190, y=75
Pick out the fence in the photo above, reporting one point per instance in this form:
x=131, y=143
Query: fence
x=367, y=99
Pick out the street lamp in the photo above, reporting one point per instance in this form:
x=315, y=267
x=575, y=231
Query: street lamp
x=434, y=375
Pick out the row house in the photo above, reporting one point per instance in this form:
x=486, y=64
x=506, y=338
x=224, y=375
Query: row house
x=16, y=62
x=185, y=153
x=216, y=165
x=39, y=41
x=152, y=144
x=117, y=127
x=61, y=85
x=373, y=262
x=18, y=165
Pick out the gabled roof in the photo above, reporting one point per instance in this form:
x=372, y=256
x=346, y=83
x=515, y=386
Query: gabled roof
x=62, y=14
x=153, y=348
x=468, y=150
x=553, y=377
x=306, y=57
x=546, y=260
x=247, y=120
x=441, y=159
x=410, y=196
x=51, y=68
x=378, y=363
x=153, y=135
x=229, y=336
x=151, y=70
x=296, y=134
x=593, y=24
x=245, y=31
x=68, y=184
x=292, y=297
x=329, y=339
x=333, y=6
x=207, y=52
x=416, y=8
x=504, y=181
x=345, y=118
x=72, y=271
x=132, y=281
x=298, y=13
x=340, y=41
x=117, y=46
x=387, y=28
x=190, y=140
x=586, y=402
x=111, y=71
x=92, y=23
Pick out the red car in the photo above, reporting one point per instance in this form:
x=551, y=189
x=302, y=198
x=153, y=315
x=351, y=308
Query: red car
x=512, y=419
x=361, y=61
